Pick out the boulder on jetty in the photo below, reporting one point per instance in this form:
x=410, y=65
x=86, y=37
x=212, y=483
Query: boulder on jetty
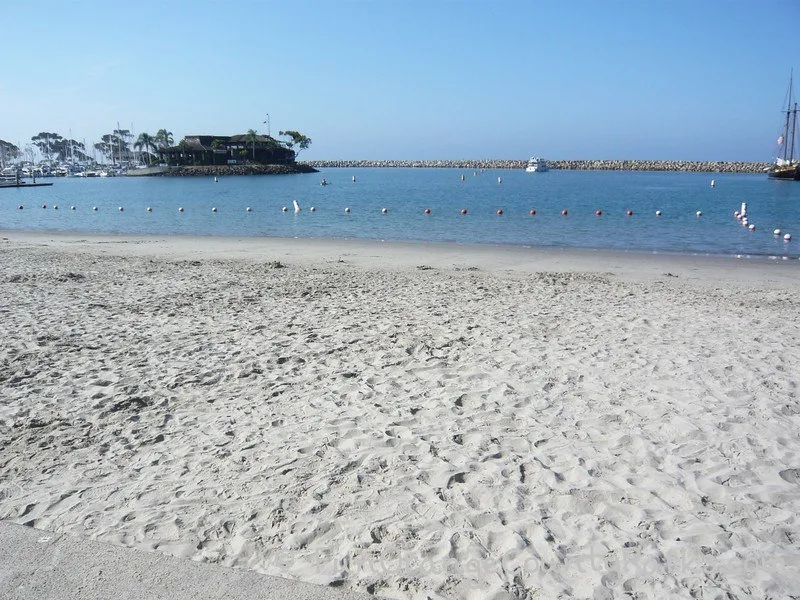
x=690, y=166
x=227, y=170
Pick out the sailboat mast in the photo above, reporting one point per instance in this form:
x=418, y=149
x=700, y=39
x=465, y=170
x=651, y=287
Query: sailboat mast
x=788, y=110
x=794, y=127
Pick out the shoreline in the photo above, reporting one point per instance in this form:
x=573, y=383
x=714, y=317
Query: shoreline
x=408, y=255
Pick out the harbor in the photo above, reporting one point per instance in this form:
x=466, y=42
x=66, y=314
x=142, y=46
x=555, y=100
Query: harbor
x=632, y=211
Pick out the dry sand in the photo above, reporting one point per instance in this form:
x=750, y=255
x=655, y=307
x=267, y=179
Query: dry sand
x=409, y=420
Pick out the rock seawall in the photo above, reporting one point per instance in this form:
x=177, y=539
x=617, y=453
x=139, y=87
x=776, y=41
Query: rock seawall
x=227, y=170
x=690, y=166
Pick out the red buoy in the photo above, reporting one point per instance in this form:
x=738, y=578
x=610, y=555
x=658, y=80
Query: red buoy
x=564, y=212
x=598, y=212
x=463, y=211
x=500, y=211
x=629, y=212
x=427, y=211
x=533, y=212
x=44, y=205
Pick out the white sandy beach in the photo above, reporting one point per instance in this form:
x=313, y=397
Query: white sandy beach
x=411, y=421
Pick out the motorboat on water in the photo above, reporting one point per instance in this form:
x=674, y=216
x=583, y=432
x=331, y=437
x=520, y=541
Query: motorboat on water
x=9, y=174
x=537, y=165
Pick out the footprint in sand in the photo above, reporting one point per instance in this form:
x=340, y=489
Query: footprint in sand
x=790, y=475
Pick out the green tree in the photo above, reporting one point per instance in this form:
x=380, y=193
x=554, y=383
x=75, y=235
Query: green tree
x=146, y=142
x=164, y=138
x=8, y=151
x=114, y=145
x=215, y=145
x=124, y=137
x=69, y=150
x=184, y=146
x=54, y=147
x=45, y=142
x=297, y=141
x=252, y=136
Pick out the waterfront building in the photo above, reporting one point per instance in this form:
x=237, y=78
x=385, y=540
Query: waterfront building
x=227, y=150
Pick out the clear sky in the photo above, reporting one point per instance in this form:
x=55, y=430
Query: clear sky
x=427, y=79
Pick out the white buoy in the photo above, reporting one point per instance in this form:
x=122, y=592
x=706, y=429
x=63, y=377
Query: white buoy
x=658, y=213
x=55, y=207
x=384, y=210
x=751, y=227
x=354, y=178
x=736, y=214
x=121, y=209
x=248, y=209
x=787, y=237
x=699, y=213
x=776, y=232
x=72, y=208
x=94, y=208
x=499, y=180
x=312, y=209
x=296, y=206
x=284, y=209
x=745, y=222
x=347, y=210
x=214, y=209
x=149, y=209
x=712, y=183
x=215, y=180
x=180, y=209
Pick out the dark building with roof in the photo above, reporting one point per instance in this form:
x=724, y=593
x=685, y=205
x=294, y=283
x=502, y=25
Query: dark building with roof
x=227, y=150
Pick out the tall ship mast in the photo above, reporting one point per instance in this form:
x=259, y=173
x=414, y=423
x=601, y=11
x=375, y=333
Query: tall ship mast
x=786, y=166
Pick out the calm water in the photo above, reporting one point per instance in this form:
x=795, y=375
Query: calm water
x=407, y=192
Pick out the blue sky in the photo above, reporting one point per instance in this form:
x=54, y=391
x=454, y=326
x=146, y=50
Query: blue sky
x=434, y=79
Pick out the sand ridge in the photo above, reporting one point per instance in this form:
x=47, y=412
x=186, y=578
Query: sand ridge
x=436, y=429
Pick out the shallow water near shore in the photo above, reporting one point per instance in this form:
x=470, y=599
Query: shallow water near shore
x=406, y=193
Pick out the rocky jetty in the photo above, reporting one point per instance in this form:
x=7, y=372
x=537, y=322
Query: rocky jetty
x=227, y=170
x=689, y=166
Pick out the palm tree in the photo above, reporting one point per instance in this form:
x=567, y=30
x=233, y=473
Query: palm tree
x=215, y=145
x=252, y=136
x=184, y=146
x=164, y=138
x=147, y=142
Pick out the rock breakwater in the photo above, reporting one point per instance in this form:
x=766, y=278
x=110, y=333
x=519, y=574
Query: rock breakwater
x=689, y=166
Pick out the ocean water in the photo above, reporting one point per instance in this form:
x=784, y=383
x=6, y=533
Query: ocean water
x=406, y=193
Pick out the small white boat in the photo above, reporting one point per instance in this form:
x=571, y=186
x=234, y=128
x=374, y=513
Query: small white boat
x=9, y=174
x=537, y=165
